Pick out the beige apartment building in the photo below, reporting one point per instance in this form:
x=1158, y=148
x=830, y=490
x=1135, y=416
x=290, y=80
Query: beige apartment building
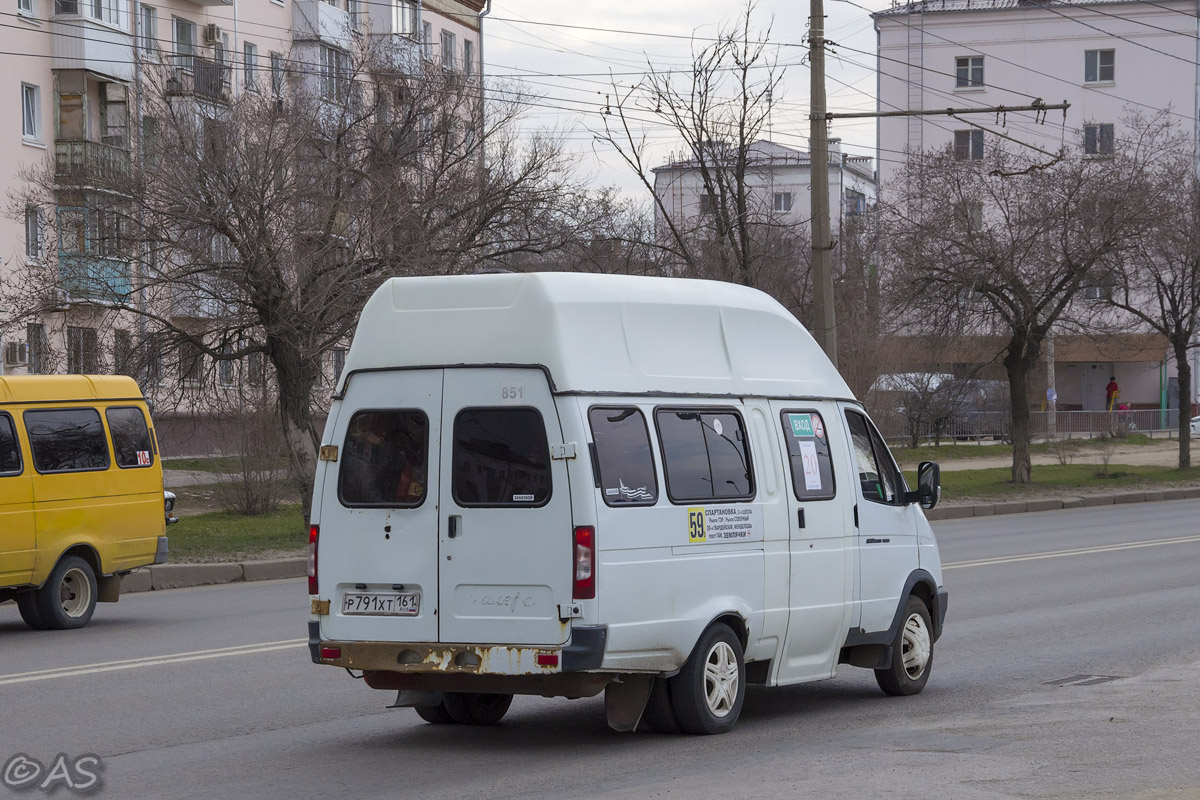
x=75, y=92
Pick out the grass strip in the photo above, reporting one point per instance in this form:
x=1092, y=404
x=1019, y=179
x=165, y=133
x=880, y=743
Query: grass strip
x=223, y=536
x=995, y=483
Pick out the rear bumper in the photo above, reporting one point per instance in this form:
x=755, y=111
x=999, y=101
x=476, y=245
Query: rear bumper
x=584, y=652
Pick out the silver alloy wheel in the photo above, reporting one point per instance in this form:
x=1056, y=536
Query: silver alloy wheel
x=721, y=679
x=915, y=646
x=75, y=593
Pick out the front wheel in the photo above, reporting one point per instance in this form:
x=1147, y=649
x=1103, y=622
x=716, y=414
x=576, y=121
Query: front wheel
x=68, y=599
x=707, y=693
x=912, y=653
x=476, y=709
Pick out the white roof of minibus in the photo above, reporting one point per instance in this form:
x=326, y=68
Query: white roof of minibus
x=613, y=334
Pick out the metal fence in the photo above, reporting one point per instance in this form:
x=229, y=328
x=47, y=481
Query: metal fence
x=980, y=425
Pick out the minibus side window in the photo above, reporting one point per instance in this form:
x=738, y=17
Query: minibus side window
x=705, y=455
x=385, y=459
x=10, y=451
x=878, y=478
x=623, y=456
x=808, y=452
x=501, y=458
x=130, y=437
x=67, y=440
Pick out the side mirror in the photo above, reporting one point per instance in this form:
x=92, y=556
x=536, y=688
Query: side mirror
x=929, y=484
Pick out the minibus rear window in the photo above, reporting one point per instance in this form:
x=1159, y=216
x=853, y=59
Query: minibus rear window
x=10, y=452
x=705, y=456
x=501, y=458
x=623, y=456
x=130, y=437
x=385, y=460
x=67, y=440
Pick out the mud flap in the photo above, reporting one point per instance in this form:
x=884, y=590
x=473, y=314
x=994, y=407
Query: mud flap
x=108, y=588
x=625, y=700
x=406, y=698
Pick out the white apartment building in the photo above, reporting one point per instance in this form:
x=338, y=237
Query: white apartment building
x=1104, y=57
x=73, y=103
x=778, y=179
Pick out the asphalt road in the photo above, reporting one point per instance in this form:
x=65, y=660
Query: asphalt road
x=216, y=696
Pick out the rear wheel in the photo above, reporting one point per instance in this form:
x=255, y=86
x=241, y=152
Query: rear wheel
x=707, y=693
x=912, y=653
x=435, y=715
x=27, y=604
x=476, y=709
x=68, y=599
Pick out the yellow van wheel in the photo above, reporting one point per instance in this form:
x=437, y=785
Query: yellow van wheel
x=68, y=598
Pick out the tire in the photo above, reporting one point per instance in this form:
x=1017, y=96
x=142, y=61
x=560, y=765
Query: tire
x=27, y=604
x=912, y=653
x=435, y=715
x=707, y=693
x=68, y=599
x=476, y=709
x=659, y=717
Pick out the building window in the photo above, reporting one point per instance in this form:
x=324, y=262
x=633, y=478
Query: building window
x=968, y=145
x=31, y=112
x=33, y=232
x=1098, y=139
x=39, y=349
x=968, y=216
x=191, y=362
x=968, y=72
x=147, y=29
x=468, y=57
x=783, y=201
x=82, y=352
x=277, y=74
x=708, y=203
x=856, y=203
x=338, y=361
x=427, y=40
x=404, y=17
x=1099, y=66
x=225, y=366
x=25, y=6
x=335, y=73
x=250, y=64
x=123, y=353
x=185, y=42
x=104, y=10
x=448, y=55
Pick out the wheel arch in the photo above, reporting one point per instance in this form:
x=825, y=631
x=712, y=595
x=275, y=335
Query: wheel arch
x=87, y=553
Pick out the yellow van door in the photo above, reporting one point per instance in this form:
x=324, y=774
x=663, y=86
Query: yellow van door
x=17, y=543
x=139, y=483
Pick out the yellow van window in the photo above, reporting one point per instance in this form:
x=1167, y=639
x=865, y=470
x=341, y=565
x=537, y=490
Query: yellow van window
x=130, y=437
x=10, y=453
x=67, y=440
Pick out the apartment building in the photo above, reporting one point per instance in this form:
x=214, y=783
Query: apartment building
x=76, y=110
x=778, y=178
x=1104, y=57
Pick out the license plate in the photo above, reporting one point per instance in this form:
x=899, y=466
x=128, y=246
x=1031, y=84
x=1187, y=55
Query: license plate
x=386, y=604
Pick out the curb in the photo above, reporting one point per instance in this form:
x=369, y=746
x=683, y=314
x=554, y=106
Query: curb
x=179, y=576
x=1087, y=501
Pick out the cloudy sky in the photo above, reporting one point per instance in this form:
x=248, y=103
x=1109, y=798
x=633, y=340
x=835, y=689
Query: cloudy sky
x=569, y=68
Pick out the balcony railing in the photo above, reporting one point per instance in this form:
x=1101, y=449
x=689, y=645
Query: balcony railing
x=87, y=162
x=210, y=79
x=90, y=277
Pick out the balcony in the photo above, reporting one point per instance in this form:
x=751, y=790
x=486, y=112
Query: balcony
x=201, y=77
x=87, y=277
x=82, y=162
x=83, y=42
x=316, y=20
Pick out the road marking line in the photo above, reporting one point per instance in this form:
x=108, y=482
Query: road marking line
x=1080, y=551
x=152, y=661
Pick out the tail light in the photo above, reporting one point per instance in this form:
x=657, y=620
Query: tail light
x=313, y=532
x=585, y=563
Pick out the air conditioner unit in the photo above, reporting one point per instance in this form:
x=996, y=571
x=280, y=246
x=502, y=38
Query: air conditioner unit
x=16, y=353
x=212, y=33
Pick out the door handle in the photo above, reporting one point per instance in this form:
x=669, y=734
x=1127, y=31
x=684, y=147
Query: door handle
x=455, y=522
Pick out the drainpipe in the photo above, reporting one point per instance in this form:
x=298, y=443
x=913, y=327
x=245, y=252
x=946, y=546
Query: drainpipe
x=487, y=10
x=135, y=152
x=1196, y=116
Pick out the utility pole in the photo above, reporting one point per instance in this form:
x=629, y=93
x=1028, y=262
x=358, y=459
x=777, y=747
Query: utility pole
x=824, y=312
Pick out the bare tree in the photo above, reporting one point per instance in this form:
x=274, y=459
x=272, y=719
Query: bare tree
x=1003, y=245
x=257, y=226
x=1161, y=287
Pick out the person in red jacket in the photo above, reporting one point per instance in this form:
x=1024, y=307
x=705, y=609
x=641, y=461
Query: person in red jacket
x=1111, y=391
